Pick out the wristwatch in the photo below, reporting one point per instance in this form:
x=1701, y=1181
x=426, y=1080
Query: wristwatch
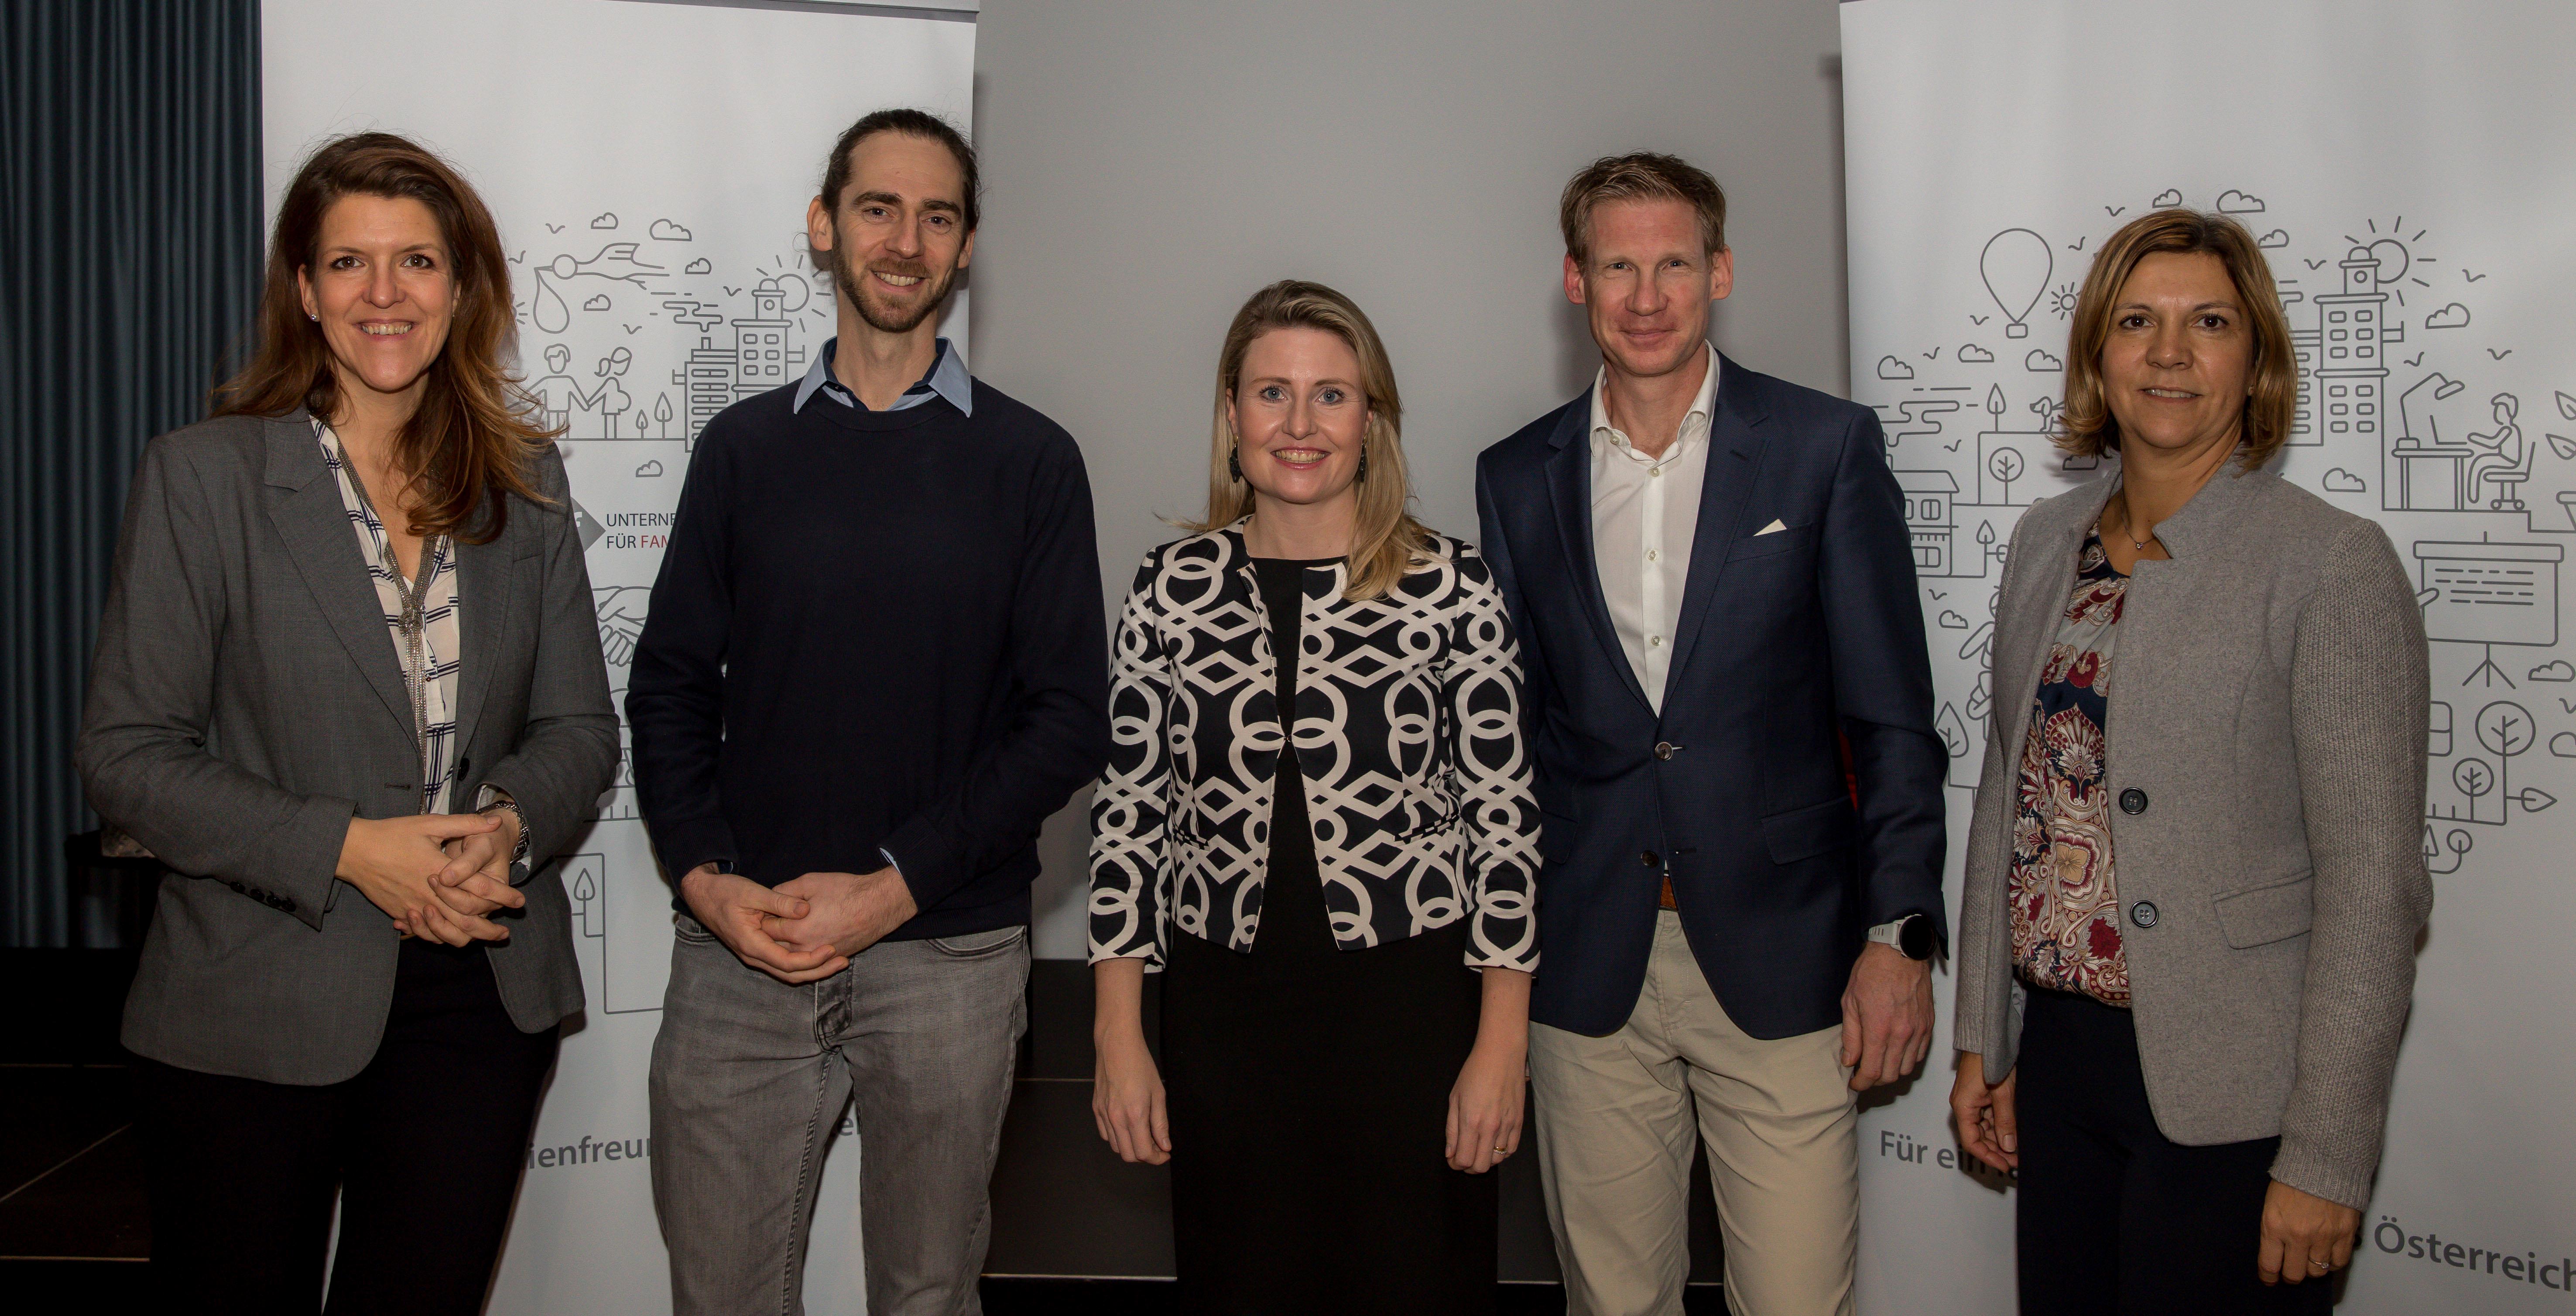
x=1910, y=935
x=493, y=800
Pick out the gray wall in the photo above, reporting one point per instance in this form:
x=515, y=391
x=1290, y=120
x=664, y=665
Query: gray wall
x=1148, y=165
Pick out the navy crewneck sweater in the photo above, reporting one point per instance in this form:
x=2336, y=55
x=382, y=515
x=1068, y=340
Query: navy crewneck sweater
x=874, y=631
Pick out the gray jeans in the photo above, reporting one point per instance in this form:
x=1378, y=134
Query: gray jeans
x=749, y=1079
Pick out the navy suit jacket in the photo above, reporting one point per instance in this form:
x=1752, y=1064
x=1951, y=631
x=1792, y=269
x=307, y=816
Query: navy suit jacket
x=1794, y=649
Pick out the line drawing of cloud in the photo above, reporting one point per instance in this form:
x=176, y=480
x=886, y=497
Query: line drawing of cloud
x=1975, y=355
x=699, y=266
x=2233, y=202
x=1891, y=368
x=2171, y=196
x=2555, y=670
x=598, y=302
x=2274, y=240
x=2042, y=362
x=605, y=219
x=2563, y=744
x=2339, y=480
x=2453, y=316
x=668, y=232
x=1951, y=621
x=648, y=470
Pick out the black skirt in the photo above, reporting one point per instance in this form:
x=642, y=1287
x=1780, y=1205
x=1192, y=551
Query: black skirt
x=1308, y=1089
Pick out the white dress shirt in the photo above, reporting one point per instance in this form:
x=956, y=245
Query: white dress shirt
x=1645, y=513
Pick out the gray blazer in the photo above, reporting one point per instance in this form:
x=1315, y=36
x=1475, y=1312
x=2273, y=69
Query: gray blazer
x=246, y=701
x=2270, y=701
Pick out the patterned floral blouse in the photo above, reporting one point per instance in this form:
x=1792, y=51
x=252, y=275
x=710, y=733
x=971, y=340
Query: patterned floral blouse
x=2065, y=903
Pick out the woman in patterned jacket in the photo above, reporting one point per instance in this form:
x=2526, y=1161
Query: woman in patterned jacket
x=1311, y=850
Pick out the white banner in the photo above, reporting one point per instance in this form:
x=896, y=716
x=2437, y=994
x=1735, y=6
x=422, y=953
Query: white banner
x=2406, y=166
x=649, y=165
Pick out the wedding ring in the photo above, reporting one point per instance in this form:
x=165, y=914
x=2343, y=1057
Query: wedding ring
x=2316, y=1265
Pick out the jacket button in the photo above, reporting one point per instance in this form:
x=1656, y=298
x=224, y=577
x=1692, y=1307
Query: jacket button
x=2143, y=913
x=1663, y=749
x=1650, y=859
x=2134, y=801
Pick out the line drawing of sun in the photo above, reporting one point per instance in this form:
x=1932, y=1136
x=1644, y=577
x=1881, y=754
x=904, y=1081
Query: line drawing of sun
x=2061, y=301
x=2396, y=255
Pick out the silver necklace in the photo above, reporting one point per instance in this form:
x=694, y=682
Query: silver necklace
x=2134, y=541
x=413, y=593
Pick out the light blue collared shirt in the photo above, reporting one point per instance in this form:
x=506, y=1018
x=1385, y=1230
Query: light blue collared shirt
x=947, y=379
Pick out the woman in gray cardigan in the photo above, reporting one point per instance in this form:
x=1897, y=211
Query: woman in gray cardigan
x=348, y=688
x=2194, y=882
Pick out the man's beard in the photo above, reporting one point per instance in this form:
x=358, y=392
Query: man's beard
x=885, y=320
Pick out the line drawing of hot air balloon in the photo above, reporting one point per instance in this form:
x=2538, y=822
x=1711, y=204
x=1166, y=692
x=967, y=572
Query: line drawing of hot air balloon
x=2015, y=265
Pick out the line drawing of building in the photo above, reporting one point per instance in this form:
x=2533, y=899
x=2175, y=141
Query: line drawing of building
x=2352, y=375
x=1928, y=495
x=761, y=358
x=760, y=343
x=707, y=372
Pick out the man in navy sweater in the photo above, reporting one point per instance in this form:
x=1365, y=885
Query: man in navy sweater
x=875, y=663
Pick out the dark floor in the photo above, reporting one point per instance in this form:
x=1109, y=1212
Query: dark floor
x=74, y=1232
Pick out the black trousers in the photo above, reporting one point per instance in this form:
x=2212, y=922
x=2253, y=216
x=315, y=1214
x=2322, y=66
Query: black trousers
x=423, y=1148
x=2112, y=1215
x=1309, y=1098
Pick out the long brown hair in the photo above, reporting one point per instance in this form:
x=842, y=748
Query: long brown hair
x=476, y=435
x=1385, y=539
x=2089, y=427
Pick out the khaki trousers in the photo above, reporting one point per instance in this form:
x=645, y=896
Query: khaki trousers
x=1615, y=1136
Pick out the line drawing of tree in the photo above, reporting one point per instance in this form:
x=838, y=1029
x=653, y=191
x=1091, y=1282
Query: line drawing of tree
x=2506, y=729
x=2474, y=778
x=2005, y=465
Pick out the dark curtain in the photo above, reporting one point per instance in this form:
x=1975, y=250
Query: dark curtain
x=129, y=269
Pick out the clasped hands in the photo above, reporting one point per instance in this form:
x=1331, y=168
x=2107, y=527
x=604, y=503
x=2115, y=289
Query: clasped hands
x=439, y=876
x=804, y=929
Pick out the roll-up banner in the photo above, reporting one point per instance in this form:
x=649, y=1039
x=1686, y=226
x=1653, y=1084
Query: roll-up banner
x=649, y=165
x=2406, y=167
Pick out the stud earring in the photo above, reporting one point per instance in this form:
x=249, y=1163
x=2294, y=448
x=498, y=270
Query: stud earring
x=1234, y=465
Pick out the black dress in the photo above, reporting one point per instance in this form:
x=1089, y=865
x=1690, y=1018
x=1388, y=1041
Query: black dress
x=1308, y=1090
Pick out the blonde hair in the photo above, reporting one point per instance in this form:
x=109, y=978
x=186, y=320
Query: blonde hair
x=1385, y=540
x=2089, y=427
x=1643, y=176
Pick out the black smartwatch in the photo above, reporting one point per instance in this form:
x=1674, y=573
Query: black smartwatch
x=1910, y=935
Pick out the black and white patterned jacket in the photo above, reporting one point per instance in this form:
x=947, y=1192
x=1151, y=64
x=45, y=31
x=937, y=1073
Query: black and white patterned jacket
x=1418, y=781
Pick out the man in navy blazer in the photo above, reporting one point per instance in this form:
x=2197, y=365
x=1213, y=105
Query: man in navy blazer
x=1739, y=780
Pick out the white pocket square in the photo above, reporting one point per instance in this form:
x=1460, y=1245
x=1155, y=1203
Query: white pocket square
x=1769, y=529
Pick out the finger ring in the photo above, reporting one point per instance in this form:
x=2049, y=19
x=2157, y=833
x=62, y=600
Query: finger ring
x=1502, y=1151
x=2314, y=1264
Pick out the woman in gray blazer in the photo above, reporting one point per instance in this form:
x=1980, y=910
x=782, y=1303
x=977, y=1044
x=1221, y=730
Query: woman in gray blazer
x=348, y=688
x=2194, y=882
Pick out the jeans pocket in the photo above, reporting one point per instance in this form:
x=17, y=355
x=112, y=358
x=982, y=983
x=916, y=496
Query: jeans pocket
x=690, y=930
x=977, y=945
